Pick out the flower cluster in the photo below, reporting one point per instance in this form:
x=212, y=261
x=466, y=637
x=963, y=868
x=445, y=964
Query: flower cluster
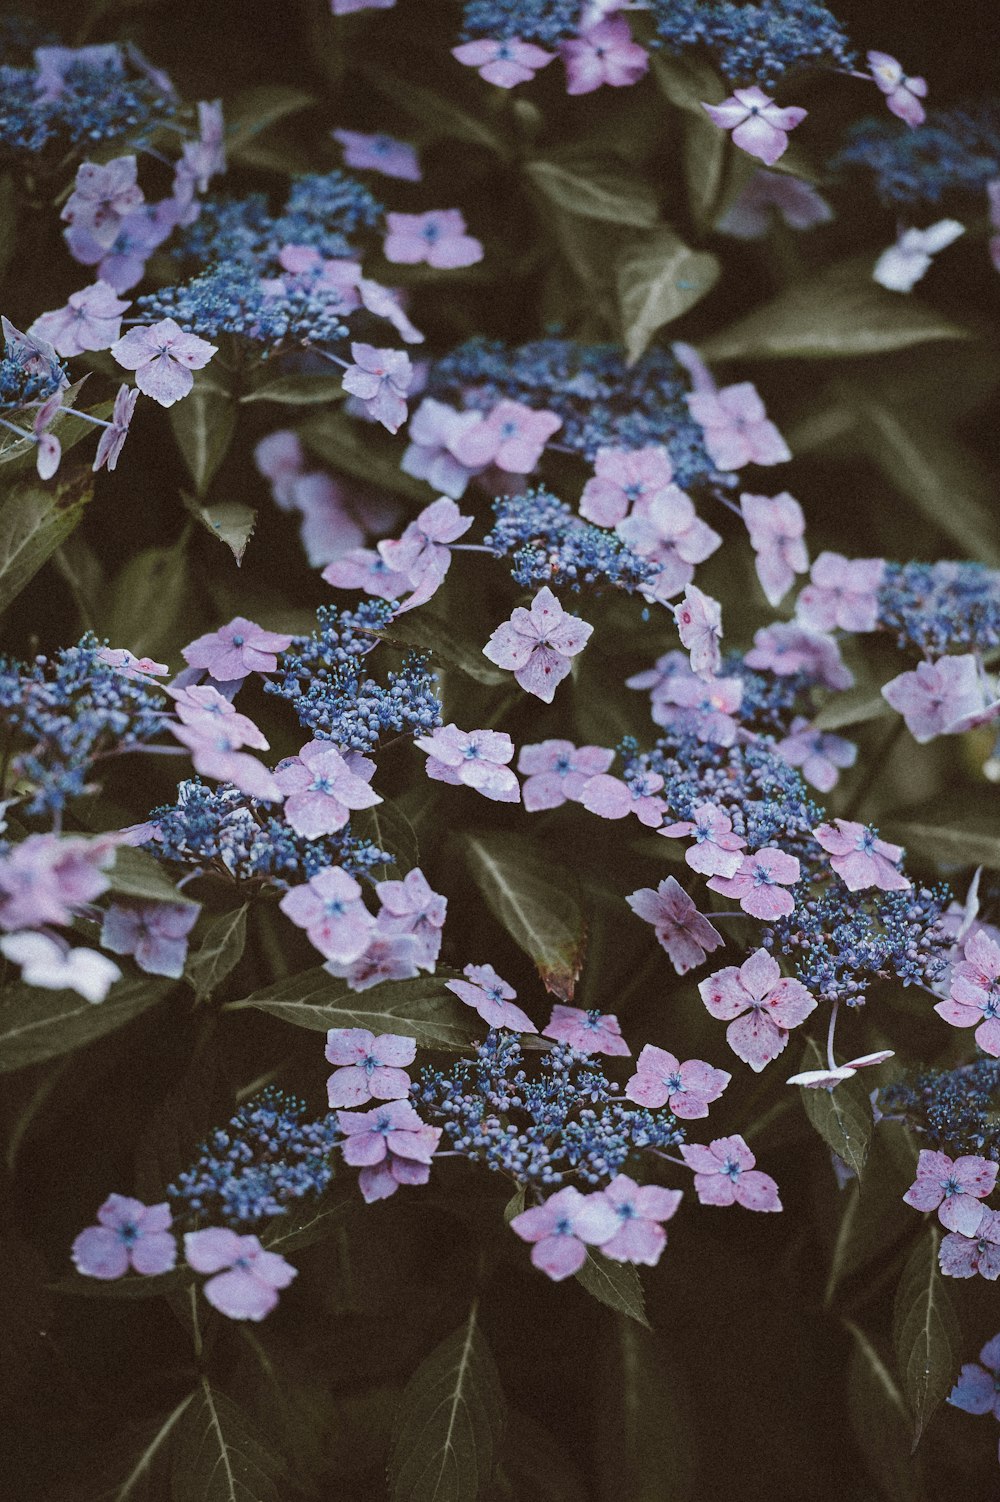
x=547, y=544
x=755, y=43
x=73, y=97
x=954, y=151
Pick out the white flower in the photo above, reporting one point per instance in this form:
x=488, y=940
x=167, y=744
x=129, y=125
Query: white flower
x=45, y=963
x=901, y=266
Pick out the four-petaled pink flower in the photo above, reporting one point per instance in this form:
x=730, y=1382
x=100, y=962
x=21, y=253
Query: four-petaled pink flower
x=685, y=934
x=504, y=63
x=511, y=436
x=842, y=592
x=321, y=789
x=112, y=439
x=91, y=319
x=759, y=126
x=556, y=772
x=716, y=850
x=202, y=705
x=432, y=432
x=963, y=1256
x=369, y=1067
x=215, y=752
x=611, y=798
x=476, y=758
x=725, y=1174
x=391, y=1146
x=386, y=957
x=329, y=907
x=422, y=553
x=492, y=998
x=774, y=194
x=129, y=1234
x=102, y=196
x=621, y=477
x=952, y=1187
x=561, y=1229
x=163, y=357
x=776, y=526
x=380, y=379
x=820, y=754
x=942, y=698
x=605, y=54
x=364, y=569
x=641, y=1209
x=587, y=1032
x=412, y=907
x=688, y=1089
x=860, y=858
x=537, y=644
x=736, y=428
x=438, y=237
x=155, y=933
x=978, y=1387
x=236, y=650
x=246, y=1279
x=699, y=625
x=760, y=1006
x=703, y=707
x=759, y=884
x=902, y=94
x=786, y=648
x=379, y=153
x=974, y=995
x=667, y=530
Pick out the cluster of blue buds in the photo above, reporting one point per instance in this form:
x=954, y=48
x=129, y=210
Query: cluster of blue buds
x=955, y=151
x=941, y=607
x=956, y=1111
x=547, y=543
x=80, y=97
x=755, y=42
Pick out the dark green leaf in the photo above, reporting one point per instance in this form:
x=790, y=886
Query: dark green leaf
x=298, y=390
x=642, y=1436
x=137, y=874
x=688, y=81
x=514, y=1205
x=218, y=1456
x=230, y=521
x=139, y=1467
x=201, y=1101
x=34, y=520
x=855, y=706
x=881, y=1423
x=420, y=1009
x=439, y=115
x=871, y=1218
x=947, y=831
x=658, y=279
x=536, y=902
x=8, y=221
x=842, y=1116
x=310, y=1221
x=616, y=1284
x=427, y=632
x=595, y=192
x=925, y=1332
x=388, y=827
x=36, y=1024
x=159, y=574
x=533, y=1464
x=219, y=952
x=204, y=424
x=253, y=110
x=450, y=1423
x=351, y=447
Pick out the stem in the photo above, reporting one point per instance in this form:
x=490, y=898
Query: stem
x=830, y=1057
x=668, y=1157
x=195, y=1326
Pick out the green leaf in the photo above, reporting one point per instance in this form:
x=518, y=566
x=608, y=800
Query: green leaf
x=426, y=632
x=219, y=952
x=204, y=424
x=37, y=1024
x=948, y=832
x=659, y=278
x=142, y=1470
x=536, y=901
x=230, y=521
x=450, y=1423
x=440, y=115
x=137, y=874
x=69, y=427
x=200, y=1101
x=595, y=192
x=388, y=827
x=353, y=448
x=218, y=1456
x=881, y=1422
x=616, y=1284
x=533, y=1464
x=642, y=1438
x=159, y=574
x=298, y=390
x=420, y=1009
x=34, y=520
x=310, y=1221
x=687, y=81
x=926, y=1333
x=839, y=313
x=872, y=1218
x=514, y=1205
x=855, y=706
x=253, y=110
x=842, y=1116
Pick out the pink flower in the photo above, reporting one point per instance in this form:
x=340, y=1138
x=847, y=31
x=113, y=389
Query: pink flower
x=348, y=7
x=953, y=1187
x=771, y=194
x=831, y=1077
x=492, y=998
x=432, y=431
x=902, y=94
x=537, y=644
x=129, y=1234
x=699, y=625
x=215, y=753
x=123, y=263
x=759, y=126
x=91, y=320
x=391, y=1146
x=476, y=758
x=705, y=708
x=503, y=63
x=438, y=237
x=557, y=772
x=776, y=526
x=860, y=858
x=411, y=907
x=156, y=933
x=716, y=850
x=49, y=447
x=330, y=525
x=329, y=907
x=50, y=963
x=512, y=437
x=370, y=1068
x=903, y=265
x=685, y=934
x=978, y=1388
x=236, y=650
x=757, y=885
x=611, y=798
x=662, y=1080
x=281, y=459
x=736, y=428
x=201, y=705
x=587, y=1032
x=640, y=1209
x=204, y=158
x=818, y=753
x=380, y=379
x=760, y=1006
x=163, y=357
x=843, y=592
x=129, y=666
x=364, y=569
x=112, y=439
x=606, y=54
x=379, y=154
x=561, y=1229
x=386, y=957
x=974, y=995
x=247, y=1279
x=622, y=477
x=667, y=530
x=964, y=1256
x=45, y=879
x=102, y=196
x=724, y=1174
x=320, y=790
x=941, y=698
x=786, y=648
x=422, y=553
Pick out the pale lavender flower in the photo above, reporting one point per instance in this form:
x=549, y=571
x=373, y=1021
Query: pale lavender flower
x=556, y=772
x=560, y=1230
x=423, y=554
x=978, y=1388
x=45, y=879
x=379, y=153
x=330, y=909
x=128, y=1234
x=155, y=933
x=786, y=648
x=364, y=569
x=770, y=194
x=51, y=965
x=703, y=707
x=759, y=126
x=776, y=526
x=612, y=798
x=163, y=357
x=432, y=430
x=380, y=379
x=760, y=1006
x=247, y=1278
x=699, y=625
x=412, y=907
x=941, y=698
x=475, y=758
x=386, y=957
x=820, y=754
x=512, y=437
x=130, y=666
x=606, y=54
x=685, y=934
x=901, y=266
x=586, y=1032
x=91, y=320
x=666, y=529
x=842, y=592
x=369, y=1067
x=215, y=752
x=489, y=995
x=348, y=7
x=621, y=478
x=504, y=63
x=974, y=991
x=736, y=428
x=830, y=1077
x=123, y=263
x=687, y=1089
x=725, y=1174
x=537, y=644
x=860, y=858
x=391, y=1146
x=112, y=439
x=759, y=884
x=964, y=1256
x=236, y=650
x=439, y=238
x=902, y=94
x=716, y=850
x=202, y=705
x=102, y=196
x=952, y=1187
x=49, y=447
x=640, y=1209
x=321, y=790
